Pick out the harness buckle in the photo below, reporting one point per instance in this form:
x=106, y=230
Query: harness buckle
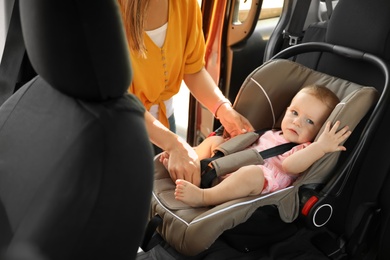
x=293, y=40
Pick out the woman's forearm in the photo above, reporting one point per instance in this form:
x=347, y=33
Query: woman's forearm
x=158, y=133
x=204, y=89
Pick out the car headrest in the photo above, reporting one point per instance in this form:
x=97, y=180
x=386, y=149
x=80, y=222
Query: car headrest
x=353, y=26
x=78, y=47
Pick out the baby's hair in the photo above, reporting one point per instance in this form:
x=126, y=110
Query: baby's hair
x=327, y=96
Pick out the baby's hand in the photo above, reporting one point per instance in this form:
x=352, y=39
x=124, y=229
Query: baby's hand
x=330, y=138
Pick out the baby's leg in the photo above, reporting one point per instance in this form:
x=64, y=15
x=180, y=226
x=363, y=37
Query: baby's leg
x=248, y=180
x=206, y=148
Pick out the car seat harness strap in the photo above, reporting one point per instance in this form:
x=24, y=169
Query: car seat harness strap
x=237, y=143
x=228, y=158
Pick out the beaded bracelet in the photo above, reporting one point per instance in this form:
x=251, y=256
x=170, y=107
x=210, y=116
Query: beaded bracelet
x=219, y=104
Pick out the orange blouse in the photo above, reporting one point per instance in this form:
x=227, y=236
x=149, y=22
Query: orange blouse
x=159, y=76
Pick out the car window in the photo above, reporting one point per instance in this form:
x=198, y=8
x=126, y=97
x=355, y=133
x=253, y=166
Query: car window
x=5, y=16
x=270, y=9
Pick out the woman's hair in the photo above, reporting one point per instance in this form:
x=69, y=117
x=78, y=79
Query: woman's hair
x=133, y=15
x=327, y=96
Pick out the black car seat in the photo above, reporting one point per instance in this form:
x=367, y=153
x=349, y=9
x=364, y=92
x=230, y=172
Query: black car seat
x=361, y=25
x=75, y=159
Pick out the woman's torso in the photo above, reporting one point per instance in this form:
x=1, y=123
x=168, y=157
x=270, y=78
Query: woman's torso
x=159, y=76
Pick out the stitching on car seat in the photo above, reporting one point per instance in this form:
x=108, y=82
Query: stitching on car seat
x=240, y=204
x=269, y=101
x=219, y=211
x=167, y=210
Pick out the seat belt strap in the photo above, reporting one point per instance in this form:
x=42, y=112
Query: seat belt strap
x=14, y=51
x=279, y=149
x=153, y=224
x=329, y=8
x=294, y=31
x=237, y=143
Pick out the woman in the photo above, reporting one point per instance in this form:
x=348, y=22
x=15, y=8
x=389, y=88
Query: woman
x=166, y=47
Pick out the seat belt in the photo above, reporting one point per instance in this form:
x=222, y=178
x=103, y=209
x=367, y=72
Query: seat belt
x=151, y=227
x=329, y=8
x=14, y=51
x=294, y=32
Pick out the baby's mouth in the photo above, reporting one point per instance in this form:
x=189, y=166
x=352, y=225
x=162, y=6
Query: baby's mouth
x=293, y=131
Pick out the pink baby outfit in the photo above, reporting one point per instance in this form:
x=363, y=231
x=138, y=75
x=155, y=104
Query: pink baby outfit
x=275, y=177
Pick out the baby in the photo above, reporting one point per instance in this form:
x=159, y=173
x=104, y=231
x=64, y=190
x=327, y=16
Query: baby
x=308, y=110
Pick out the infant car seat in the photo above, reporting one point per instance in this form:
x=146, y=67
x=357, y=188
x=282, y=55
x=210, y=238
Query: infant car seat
x=75, y=159
x=263, y=99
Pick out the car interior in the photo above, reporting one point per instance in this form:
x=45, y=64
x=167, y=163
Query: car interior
x=77, y=176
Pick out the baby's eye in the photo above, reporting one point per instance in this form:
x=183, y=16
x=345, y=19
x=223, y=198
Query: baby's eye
x=294, y=112
x=309, y=121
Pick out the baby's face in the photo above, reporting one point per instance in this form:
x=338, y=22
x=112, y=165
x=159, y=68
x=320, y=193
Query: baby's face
x=304, y=118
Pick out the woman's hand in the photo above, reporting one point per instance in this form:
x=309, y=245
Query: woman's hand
x=204, y=89
x=182, y=162
x=179, y=157
x=233, y=122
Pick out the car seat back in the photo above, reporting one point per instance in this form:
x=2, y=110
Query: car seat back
x=351, y=25
x=76, y=162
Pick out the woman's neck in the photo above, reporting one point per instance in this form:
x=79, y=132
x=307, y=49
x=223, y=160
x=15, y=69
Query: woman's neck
x=157, y=14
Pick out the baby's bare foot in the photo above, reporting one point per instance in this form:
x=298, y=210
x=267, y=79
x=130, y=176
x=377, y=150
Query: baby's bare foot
x=189, y=193
x=164, y=157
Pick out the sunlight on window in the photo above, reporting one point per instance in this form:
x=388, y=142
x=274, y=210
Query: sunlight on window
x=270, y=9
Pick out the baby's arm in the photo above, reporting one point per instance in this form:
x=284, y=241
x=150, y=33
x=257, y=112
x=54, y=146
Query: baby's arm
x=328, y=142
